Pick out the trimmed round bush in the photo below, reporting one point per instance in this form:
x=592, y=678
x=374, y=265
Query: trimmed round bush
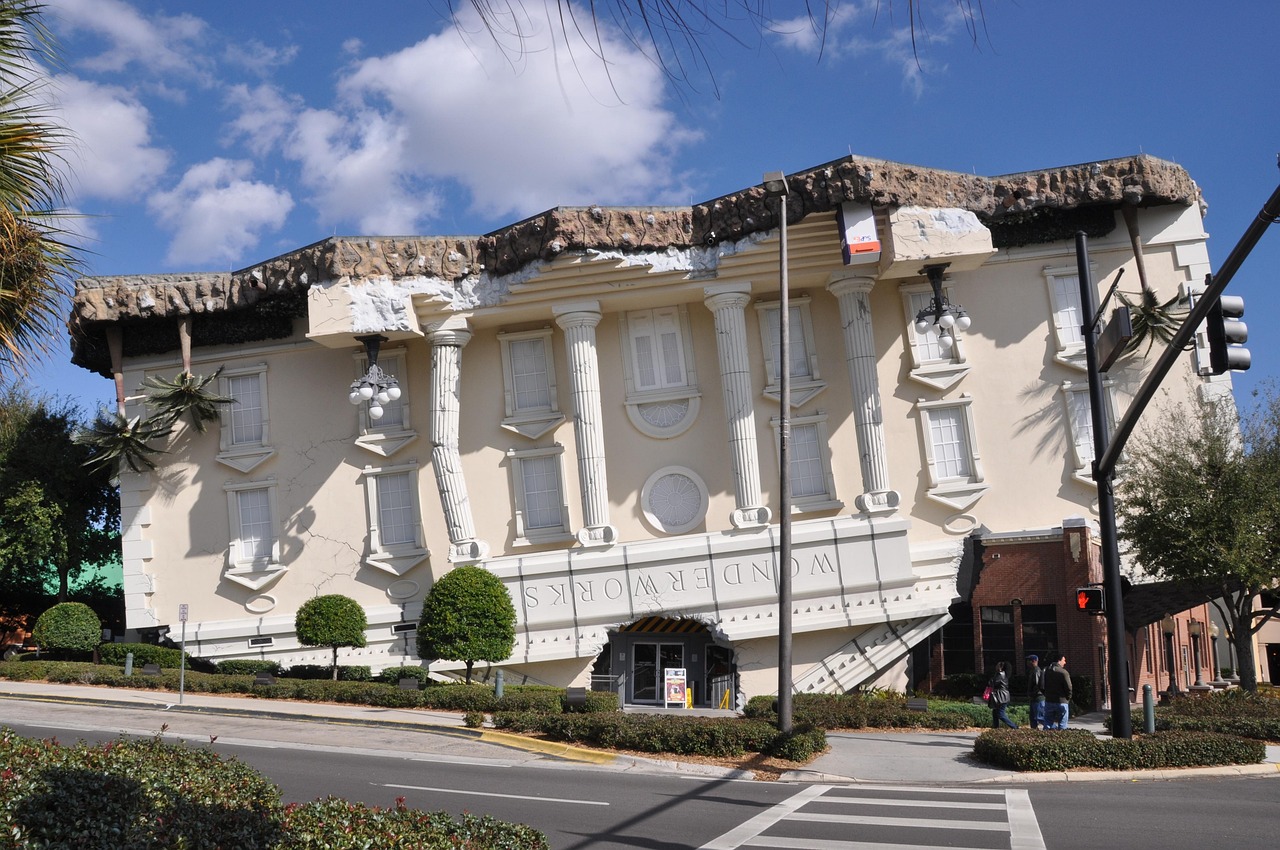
x=68, y=627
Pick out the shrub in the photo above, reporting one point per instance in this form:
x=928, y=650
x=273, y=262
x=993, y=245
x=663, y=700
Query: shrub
x=880, y=710
x=467, y=617
x=68, y=627
x=346, y=673
x=544, y=698
x=247, y=667
x=393, y=675
x=459, y=697
x=1231, y=712
x=1028, y=750
x=130, y=793
x=138, y=795
x=334, y=824
x=143, y=653
x=473, y=719
x=666, y=733
x=332, y=620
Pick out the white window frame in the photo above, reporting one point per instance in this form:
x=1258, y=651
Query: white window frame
x=1081, y=450
x=826, y=500
x=665, y=411
x=958, y=492
x=396, y=559
x=243, y=456
x=386, y=436
x=253, y=573
x=531, y=422
x=548, y=534
x=1067, y=339
x=940, y=373
x=803, y=386
x=652, y=513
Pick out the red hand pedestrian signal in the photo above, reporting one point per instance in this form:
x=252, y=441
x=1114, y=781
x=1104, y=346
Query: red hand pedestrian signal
x=1089, y=599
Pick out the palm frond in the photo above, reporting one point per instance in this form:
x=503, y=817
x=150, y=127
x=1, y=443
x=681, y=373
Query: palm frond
x=1153, y=321
x=186, y=394
x=117, y=440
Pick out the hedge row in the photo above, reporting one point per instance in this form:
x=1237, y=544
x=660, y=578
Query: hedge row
x=1230, y=712
x=440, y=697
x=149, y=795
x=882, y=710
x=669, y=733
x=1028, y=750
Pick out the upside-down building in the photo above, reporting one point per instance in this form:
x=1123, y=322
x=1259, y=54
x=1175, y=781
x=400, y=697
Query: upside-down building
x=587, y=403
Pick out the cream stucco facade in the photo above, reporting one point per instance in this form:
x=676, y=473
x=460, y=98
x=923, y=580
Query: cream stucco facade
x=596, y=420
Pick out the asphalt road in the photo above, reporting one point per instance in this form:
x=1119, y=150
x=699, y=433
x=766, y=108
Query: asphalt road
x=584, y=806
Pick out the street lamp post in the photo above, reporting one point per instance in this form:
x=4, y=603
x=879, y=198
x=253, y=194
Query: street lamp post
x=1194, y=629
x=1169, y=625
x=775, y=186
x=1216, y=659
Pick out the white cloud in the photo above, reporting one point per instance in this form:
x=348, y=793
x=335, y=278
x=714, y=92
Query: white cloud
x=258, y=58
x=264, y=116
x=521, y=132
x=868, y=28
x=111, y=155
x=161, y=43
x=216, y=213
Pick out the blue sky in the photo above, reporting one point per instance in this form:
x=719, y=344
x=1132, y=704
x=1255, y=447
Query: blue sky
x=212, y=136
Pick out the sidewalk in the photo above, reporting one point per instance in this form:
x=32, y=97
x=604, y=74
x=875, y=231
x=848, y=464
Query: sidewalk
x=941, y=758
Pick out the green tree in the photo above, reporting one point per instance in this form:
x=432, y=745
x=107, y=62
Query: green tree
x=468, y=616
x=35, y=263
x=1199, y=503
x=334, y=621
x=56, y=518
x=68, y=627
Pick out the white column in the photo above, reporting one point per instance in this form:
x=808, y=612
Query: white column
x=852, y=291
x=728, y=304
x=578, y=321
x=447, y=340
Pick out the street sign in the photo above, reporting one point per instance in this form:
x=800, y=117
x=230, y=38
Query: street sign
x=182, y=612
x=1115, y=336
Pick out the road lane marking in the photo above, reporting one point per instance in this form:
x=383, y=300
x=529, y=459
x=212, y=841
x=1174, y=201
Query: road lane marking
x=490, y=794
x=1024, y=829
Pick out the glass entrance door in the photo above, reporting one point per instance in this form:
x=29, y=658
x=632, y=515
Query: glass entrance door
x=649, y=661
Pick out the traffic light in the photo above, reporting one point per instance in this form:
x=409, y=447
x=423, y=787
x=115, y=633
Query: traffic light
x=1089, y=599
x=1226, y=335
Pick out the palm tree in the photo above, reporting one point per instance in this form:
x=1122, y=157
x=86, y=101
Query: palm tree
x=35, y=262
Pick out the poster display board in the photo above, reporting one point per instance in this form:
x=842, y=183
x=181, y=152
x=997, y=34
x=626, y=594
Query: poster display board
x=675, y=687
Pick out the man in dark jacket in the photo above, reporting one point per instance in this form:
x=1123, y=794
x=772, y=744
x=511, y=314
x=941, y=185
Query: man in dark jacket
x=1057, y=693
x=1035, y=690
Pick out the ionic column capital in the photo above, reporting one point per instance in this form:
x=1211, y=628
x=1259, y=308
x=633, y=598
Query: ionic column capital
x=844, y=282
x=579, y=314
x=454, y=331
x=727, y=295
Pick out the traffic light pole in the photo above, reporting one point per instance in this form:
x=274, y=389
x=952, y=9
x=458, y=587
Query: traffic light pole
x=1117, y=657
x=1107, y=449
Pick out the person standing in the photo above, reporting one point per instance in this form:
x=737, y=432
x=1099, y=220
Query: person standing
x=999, y=700
x=1057, y=693
x=1035, y=690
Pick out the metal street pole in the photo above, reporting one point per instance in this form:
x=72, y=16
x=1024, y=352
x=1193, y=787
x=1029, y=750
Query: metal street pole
x=1121, y=723
x=784, y=484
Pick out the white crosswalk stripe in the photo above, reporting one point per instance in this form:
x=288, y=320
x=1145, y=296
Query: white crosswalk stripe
x=810, y=818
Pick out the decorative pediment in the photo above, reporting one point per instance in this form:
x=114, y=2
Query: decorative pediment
x=244, y=460
x=399, y=564
x=256, y=579
x=958, y=496
x=386, y=444
x=533, y=427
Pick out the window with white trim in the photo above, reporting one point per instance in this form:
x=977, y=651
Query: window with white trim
x=809, y=456
x=803, y=363
x=1079, y=418
x=243, y=440
x=528, y=369
x=952, y=462
x=661, y=382
x=537, y=483
x=931, y=364
x=1068, y=317
x=253, y=550
x=392, y=432
x=395, y=518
